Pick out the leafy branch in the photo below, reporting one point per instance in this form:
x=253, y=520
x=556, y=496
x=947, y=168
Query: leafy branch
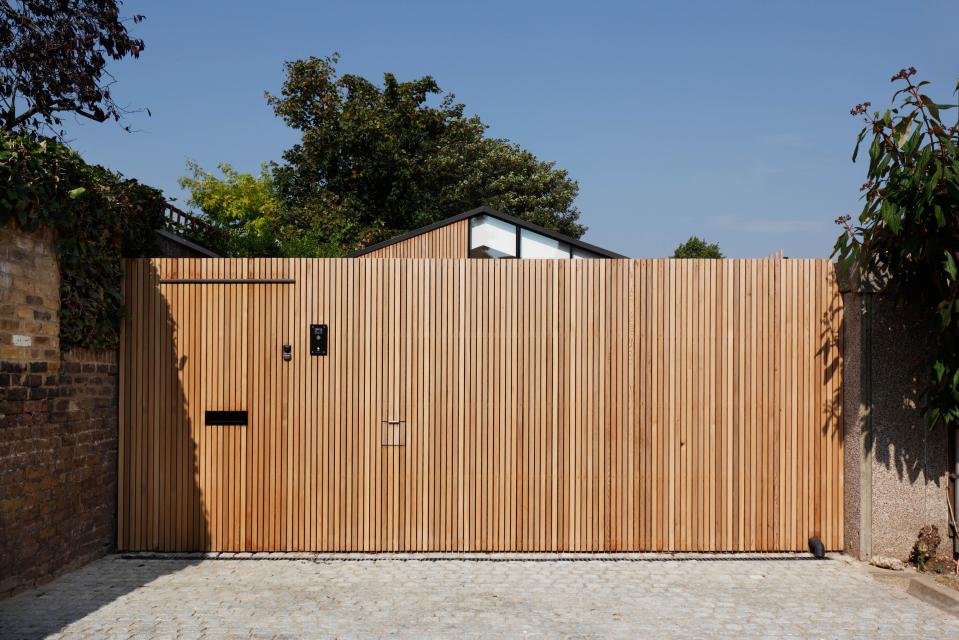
x=53, y=57
x=906, y=241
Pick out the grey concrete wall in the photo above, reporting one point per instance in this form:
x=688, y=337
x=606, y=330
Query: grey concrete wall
x=896, y=474
x=910, y=484
x=854, y=417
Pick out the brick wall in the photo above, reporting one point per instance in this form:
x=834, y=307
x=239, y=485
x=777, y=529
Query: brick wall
x=58, y=427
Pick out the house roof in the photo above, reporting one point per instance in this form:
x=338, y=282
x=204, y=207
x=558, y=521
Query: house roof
x=496, y=214
x=173, y=245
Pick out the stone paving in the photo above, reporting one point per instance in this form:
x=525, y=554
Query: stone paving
x=166, y=598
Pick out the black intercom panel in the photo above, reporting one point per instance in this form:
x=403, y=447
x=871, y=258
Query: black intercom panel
x=319, y=336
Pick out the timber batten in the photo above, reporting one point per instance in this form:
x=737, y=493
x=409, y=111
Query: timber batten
x=446, y=241
x=542, y=405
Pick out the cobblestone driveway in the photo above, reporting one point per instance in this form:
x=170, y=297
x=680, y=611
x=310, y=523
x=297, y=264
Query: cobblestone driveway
x=117, y=597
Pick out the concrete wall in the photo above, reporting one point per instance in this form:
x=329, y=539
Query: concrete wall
x=58, y=427
x=896, y=474
x=857, y=503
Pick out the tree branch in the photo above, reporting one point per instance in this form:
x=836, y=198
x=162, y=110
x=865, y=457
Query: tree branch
x=102, y=116
x=13, y=121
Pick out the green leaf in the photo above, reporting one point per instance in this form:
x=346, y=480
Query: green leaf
x=940, y=216
x=939, y=370
x=855, y=151
x=76, y=193
x=952, y=187
x=934, y=417
x=902, y=129
x=945, y=315
x=930, y=105
x=949, y=264
x=914, y=141
x=890, y=215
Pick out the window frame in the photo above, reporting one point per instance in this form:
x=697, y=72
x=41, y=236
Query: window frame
x=469, y=238
x=518, y=233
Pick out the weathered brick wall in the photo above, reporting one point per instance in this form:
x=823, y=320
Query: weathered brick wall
x=58, y=427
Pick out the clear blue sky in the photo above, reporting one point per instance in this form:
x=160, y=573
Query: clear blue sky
x=723, y=119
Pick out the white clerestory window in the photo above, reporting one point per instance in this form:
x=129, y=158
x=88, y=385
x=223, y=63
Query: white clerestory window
x=491, y=237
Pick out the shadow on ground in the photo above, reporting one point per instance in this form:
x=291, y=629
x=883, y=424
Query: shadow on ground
x=47, y=609
x=50, y=609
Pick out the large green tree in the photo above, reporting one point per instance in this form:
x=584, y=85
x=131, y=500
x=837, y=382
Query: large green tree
x=696, y=247
x=907, y=237
x=242, y=205
x=377, y=160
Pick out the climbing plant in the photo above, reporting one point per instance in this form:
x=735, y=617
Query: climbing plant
x=98, y=217
x=907, y=236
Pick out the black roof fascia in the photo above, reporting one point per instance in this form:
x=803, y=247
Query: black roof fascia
x=192, y=246
x=496, y=214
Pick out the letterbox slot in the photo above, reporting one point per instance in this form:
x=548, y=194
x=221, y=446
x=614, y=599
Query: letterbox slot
x=225, y=418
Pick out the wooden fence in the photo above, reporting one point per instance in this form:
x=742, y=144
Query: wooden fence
x=494, y=405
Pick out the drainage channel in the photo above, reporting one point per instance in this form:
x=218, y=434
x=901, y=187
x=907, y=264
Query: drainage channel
x=473, y=557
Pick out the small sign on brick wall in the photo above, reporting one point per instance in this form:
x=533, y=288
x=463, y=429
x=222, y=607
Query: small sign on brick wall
x=22, y=341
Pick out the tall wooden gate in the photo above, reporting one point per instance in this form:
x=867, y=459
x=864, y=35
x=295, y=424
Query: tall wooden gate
x=481, y=405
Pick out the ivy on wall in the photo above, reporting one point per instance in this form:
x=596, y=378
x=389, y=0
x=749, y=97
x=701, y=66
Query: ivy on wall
x=98, y=218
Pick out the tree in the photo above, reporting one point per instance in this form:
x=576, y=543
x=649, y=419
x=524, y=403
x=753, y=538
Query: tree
x=242, y=205
x=697, y=248
x=53, y=56
x=907, y=239
x=375, y=161
x=506, y=177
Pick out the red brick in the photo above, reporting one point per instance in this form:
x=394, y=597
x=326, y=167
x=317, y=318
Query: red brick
x=58, y=434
